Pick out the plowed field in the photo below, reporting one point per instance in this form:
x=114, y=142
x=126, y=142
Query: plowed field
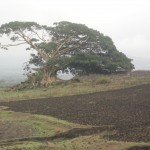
x=126, y=112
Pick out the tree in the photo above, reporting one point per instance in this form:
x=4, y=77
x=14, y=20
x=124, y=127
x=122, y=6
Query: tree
x=65, y=45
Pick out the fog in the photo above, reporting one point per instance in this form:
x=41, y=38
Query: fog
x=127, y=22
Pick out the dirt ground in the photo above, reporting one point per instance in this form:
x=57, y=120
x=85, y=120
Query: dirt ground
x=125, y=112
x=9, y=130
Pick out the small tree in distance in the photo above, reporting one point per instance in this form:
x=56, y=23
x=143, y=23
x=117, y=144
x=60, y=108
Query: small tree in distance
x=65, y=45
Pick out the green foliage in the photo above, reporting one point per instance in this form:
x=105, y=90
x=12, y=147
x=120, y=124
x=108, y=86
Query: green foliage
x=16, y=26
x=96, y=54
x=47, y=47
x=33, y=79
x=36, y=60
x=88, y=63
x=80, y=36
x=107, y=43
x=59, y=61
x=94, y=63
x=69, y=45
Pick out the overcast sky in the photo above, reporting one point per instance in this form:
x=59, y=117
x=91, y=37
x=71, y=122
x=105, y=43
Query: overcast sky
x=127, y=22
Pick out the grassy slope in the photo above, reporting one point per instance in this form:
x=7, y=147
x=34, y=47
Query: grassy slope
x=42, y=126
x=88, y=84
x=36, y=126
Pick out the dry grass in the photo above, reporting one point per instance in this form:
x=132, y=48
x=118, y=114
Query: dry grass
x=86, y=84
x=48, y=126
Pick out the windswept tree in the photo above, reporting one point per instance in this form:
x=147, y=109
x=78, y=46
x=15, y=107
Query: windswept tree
x=65, y=45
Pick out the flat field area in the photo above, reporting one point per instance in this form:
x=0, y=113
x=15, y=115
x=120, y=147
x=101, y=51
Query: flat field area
x=108, y=120
x=126, y=112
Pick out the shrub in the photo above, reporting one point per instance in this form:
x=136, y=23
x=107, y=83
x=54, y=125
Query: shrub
x=103, y=80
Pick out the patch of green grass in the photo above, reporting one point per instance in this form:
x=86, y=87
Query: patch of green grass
x=87, y=84
x=94, y=142
x=25, y=146
x=41, y=126
x=45, y=126
x=81, y=143
x=103, y=80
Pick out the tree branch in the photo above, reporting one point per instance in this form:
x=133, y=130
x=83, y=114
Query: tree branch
x=39, y=36
x=9, y=45
x=63, y=51
x=44, y=56
x=56, y=52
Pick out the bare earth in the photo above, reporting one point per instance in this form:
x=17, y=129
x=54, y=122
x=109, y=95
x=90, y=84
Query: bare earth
x=125, y=112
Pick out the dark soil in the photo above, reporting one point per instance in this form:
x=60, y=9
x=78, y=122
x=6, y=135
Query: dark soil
x=126, y=111
x=139, y=148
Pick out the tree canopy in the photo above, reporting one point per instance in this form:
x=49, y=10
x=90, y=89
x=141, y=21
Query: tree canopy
x=63, y=45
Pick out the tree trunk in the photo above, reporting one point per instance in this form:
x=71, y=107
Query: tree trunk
x=48, y=79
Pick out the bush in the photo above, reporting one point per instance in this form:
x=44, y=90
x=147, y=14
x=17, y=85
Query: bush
x=103, y=80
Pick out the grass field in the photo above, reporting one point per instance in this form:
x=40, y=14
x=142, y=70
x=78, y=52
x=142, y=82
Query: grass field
x=34, y=132
x=27, y=130
x=86, y=84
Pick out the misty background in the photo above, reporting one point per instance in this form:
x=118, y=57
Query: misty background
x=127, y=22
